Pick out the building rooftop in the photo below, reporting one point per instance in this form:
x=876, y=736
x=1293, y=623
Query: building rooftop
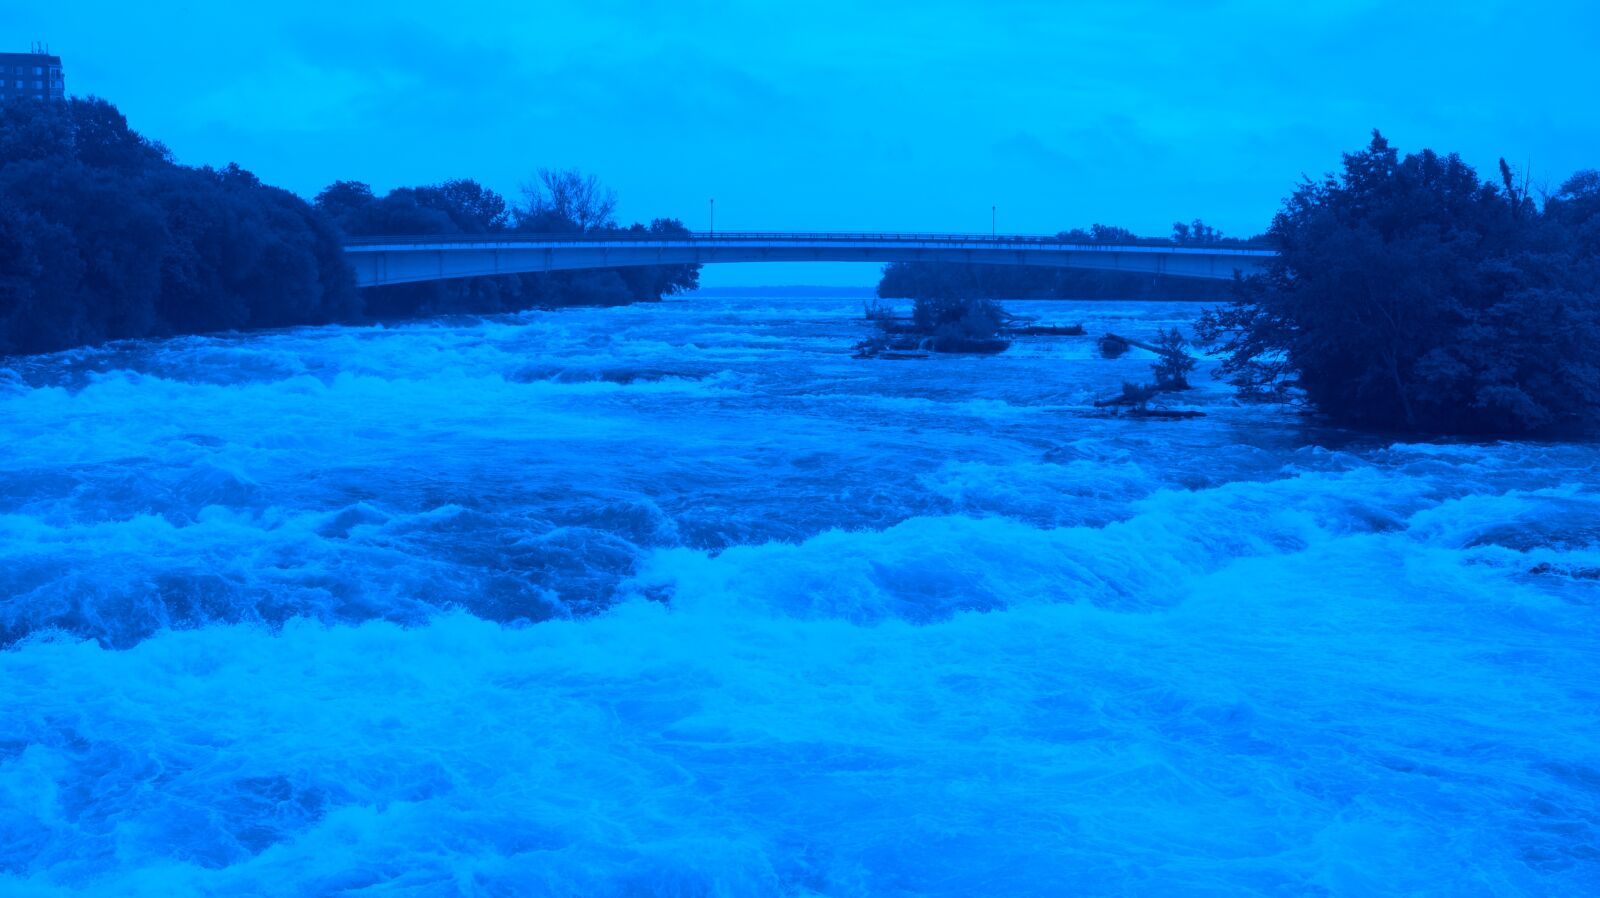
x=36, y=74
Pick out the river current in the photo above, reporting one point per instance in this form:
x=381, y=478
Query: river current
x=681, y=599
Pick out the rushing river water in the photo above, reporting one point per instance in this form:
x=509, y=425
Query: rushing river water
x=681, y=599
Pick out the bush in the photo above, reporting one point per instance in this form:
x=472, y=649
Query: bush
x=1410, y=295
x=954, y=323
x=1138, y=395
x=877, y=310
x=1173, y=366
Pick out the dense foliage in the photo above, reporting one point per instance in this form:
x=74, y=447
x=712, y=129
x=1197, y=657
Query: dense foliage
x=1412, y=295
x=559, y=202
x=914, y=279
x=103, y=236
x=944, y=321
x=952, y=322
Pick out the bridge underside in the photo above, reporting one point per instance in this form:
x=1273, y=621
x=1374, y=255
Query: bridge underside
x=379, y=265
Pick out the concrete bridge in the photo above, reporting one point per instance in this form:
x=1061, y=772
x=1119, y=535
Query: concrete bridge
x=401, y=260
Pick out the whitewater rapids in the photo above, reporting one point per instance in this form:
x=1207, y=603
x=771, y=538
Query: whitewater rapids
x=681, y=599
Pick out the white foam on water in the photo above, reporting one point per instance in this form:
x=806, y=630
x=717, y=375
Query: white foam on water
x=499, y=607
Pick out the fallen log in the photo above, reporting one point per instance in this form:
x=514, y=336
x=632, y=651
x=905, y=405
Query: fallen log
x=1052, y=330
x=1151, y=347
x=1164, y=413
x=1132, y=394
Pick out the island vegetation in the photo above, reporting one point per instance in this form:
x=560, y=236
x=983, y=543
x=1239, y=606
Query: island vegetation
x=1411, y=295
x=104, y=236
x=947, y=321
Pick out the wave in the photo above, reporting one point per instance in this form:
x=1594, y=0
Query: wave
x=618, y=602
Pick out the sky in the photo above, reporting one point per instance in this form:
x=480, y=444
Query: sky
x=844, y=116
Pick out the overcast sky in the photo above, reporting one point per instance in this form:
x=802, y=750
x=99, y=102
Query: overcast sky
x=824, y=115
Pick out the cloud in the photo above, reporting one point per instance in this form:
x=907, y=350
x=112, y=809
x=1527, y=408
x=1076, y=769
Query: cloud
x=843, y=115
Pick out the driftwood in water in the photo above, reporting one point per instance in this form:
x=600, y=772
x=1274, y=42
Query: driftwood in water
x=1164, y=413
x=1029, y=326
x=1135, y=396
x=899, y=326
x=1132, y=394
x=1143, y=345
x=1052, y=330
x=1111, y=349
x=1138, y=411
x=971, y=345
x=912, y=346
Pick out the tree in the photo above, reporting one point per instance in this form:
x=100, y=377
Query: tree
x=472, y=208
x=952, y=319
x=343, y=200
x=1575, y=209
x=457, y=206
x=1174, y=364
x=1197, y=233
x=673, y=279
x=102, y=139
x=1100, y=233
x=103, y=236
x=566, y=200
x=1411, y=295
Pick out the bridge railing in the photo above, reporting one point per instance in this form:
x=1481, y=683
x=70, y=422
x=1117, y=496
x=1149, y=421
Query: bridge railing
x=800, y=237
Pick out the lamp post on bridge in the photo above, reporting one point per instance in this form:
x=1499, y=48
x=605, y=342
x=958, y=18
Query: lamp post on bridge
x=713, y=231
x=992, y=232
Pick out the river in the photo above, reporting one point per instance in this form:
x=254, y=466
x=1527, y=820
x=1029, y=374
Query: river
x=681, y=599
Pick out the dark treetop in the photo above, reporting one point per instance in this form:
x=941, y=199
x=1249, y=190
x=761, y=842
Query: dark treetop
x=1410, y=295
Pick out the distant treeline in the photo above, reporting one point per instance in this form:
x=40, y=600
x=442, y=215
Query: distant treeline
x=103, y=236
x=559, y=202
x=910, y=280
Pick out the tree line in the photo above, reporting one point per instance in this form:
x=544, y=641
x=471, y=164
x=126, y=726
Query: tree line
x=557, y=202
x=104, y=236
x=910, y=280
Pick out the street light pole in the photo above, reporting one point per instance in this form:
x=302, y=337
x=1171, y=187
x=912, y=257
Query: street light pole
x=991, y=222
x=713, y=231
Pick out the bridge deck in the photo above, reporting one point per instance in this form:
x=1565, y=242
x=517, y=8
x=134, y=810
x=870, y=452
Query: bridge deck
x=405, y=259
